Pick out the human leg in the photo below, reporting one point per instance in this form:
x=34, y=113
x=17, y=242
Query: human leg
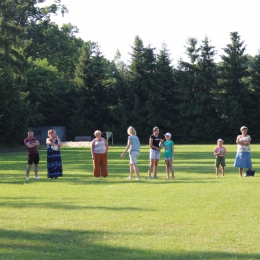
x=28, y=170
x=156, y=161
x=36, y=159
x=171, y=168
x=151, y=166
x=223, y=171
x=131, y=171
x=167, y=169
x=103, y=163
x=96, y=165
x=240, y=171
x=217, y=168
x=135, y=167
x=36, y=170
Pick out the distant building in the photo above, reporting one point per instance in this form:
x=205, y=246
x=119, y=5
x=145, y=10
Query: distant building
x=41, y=132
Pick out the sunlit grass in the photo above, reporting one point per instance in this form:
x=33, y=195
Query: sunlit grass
x=194, y=216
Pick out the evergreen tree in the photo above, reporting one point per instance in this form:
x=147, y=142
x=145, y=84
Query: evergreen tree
x=13, y=111
x=197, y=86
x=166, y=92
x=251, y=109
x=143, y=101
x=11, y=46
x=94, y=88
x=186, y=81
x=235, y=95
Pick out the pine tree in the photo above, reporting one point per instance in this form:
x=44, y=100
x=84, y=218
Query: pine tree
x=233, y=71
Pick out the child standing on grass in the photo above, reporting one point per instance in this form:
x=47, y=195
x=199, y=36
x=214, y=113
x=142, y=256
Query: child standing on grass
x=168, y=144
x=220, y=152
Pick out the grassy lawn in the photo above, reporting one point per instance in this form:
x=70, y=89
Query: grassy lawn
x=194, y=216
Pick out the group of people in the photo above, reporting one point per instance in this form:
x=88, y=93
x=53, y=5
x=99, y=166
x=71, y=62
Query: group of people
x=54, y=163
x=99, y=149
x=243, y=155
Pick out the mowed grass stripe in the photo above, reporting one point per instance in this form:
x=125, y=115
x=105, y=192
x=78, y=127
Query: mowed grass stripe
x=194, y=216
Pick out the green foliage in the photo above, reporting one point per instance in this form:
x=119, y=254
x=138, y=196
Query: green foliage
x=62, y=80
x=235, y=93
x=13, y=111
x=197, y=86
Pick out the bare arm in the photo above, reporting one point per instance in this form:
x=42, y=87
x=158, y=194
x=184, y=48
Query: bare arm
x=106, y=144
x=31, y=145
x=59, y=142
x=49, y=142
x=154, y=147
x=129, y=142
x=92, y=148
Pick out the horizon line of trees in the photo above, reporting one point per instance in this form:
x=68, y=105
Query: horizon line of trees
x=48, y=76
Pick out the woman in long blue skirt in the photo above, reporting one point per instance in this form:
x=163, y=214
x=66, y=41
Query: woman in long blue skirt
x=54, y=163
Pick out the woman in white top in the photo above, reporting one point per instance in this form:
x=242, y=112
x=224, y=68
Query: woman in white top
x=99, y=147
x=243, y=156
x=133, y=147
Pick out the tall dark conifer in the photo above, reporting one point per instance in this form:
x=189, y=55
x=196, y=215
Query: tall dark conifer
x=233, y=71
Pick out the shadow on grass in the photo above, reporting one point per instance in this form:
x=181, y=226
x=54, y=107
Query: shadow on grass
x=94, y=245
x=23, y=203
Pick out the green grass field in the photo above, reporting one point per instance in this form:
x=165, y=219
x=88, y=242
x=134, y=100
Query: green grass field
x=194, y=216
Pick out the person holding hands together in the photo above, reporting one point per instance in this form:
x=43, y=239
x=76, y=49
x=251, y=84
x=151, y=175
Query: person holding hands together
x=99, y=148
x=220, y=152
x=32, y=144
x=54, y=163
x=155, y=144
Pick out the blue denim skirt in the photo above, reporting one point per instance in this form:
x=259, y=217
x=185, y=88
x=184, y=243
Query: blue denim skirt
x=243, y=160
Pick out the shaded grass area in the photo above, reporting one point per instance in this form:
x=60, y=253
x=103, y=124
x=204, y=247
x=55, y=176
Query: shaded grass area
x=194, y=216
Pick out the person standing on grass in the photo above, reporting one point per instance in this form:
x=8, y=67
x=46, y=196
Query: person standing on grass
x=99, y=148
x=133, y=147
x=168, y=144
x=155, y=144
x=220, y=152
x=243, y=156
x=54, y=164
x=32, y=144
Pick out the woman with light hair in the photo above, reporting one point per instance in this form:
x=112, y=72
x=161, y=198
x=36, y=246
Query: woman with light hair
x=99, y=147
x=54, y=164
x=243, y=156
x=133, y=147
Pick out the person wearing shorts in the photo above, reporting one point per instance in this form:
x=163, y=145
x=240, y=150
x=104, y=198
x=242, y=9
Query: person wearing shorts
x=155, y=144
x=32, y=144
x=168, y=144
x=133, y=147
x=220, y=152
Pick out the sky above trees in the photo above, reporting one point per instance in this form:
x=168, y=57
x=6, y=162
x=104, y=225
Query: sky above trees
x=114, y=24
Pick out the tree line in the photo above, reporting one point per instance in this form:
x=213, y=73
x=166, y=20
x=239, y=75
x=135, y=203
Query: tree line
x=48, y=76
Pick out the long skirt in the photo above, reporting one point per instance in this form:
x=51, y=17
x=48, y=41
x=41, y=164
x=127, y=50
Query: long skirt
x=54, y=164
x=100, y=165
x=243, y=160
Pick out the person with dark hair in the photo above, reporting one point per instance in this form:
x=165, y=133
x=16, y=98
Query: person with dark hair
x=54, y=163
x=155, y=144
x=32, y=144
x=243, y=156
